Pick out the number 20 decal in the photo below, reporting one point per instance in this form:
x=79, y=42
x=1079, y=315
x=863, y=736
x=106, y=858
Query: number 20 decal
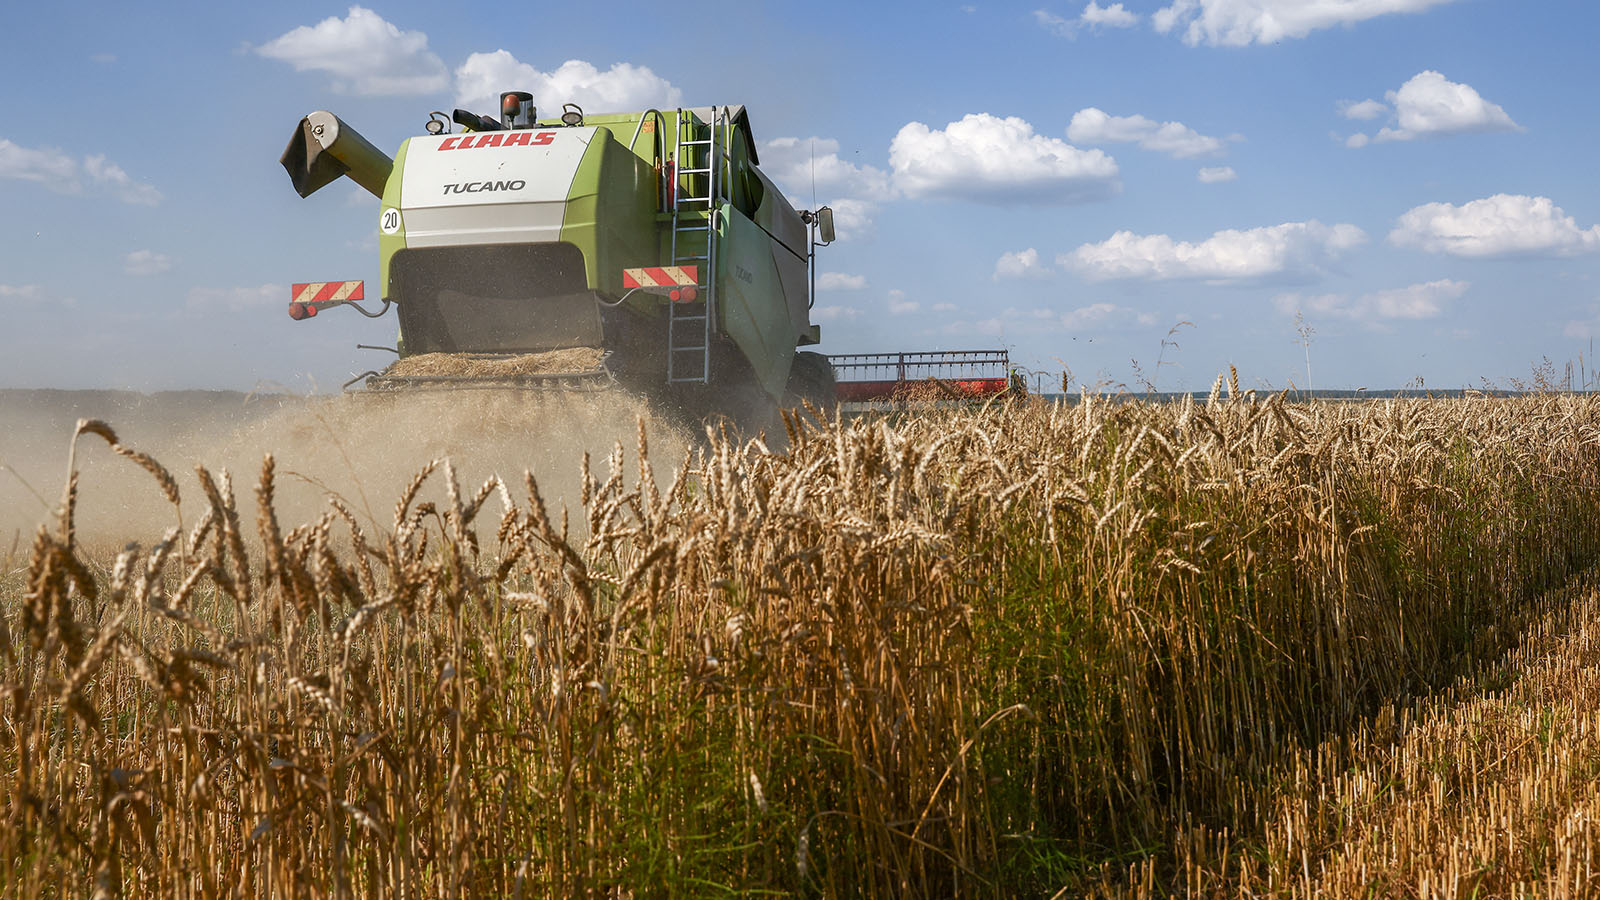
x=389, y=222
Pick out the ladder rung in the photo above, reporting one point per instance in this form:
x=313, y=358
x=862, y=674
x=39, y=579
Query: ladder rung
x=689, y=349
x=694, y=171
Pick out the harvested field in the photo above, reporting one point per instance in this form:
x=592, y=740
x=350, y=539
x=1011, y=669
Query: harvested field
x=460, y=365
x=1239, y=647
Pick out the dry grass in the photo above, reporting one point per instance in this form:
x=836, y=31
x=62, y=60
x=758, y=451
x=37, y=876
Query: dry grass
x=458, y=365
x=997, y=652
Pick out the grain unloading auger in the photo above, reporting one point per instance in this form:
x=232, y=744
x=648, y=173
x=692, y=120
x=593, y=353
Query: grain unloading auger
x=645, y=249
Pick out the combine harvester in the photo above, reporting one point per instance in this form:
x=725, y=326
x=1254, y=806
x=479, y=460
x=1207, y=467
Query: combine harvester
x=581, y=252
x=642, y=249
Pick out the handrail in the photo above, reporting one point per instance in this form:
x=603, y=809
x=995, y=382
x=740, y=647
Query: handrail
x=659, y=148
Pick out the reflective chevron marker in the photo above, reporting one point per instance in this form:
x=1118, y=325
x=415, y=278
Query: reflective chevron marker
x=660, y=276
x=676, y=282
x=305, y=299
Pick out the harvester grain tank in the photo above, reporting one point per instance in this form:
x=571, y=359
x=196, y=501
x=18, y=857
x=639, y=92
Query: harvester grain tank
x=652, y=237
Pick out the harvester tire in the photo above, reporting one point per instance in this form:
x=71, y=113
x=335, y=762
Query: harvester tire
x=811, y=380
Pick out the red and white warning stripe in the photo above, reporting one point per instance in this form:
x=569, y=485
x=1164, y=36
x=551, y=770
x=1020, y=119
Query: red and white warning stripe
x=306, y=299
x=327, y=292
x=660, y=276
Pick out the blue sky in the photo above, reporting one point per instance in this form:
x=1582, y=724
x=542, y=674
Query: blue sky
x=1070, y=181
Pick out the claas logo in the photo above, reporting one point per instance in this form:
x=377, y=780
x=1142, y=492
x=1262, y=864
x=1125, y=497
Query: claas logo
x=499, y=139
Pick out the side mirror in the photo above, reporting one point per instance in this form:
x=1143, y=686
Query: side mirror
x=825, y=224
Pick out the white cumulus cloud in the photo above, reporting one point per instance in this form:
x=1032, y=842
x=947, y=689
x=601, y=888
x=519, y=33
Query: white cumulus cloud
x=1102, y=316
x=1097, y=317
x=623, y=87
x=146, y=262
x=987, y=159
x=20, y=293
x=365, y=55
x=63, y=173
x=899, y=305
x=1429, y=105
x=1364, y=111
x=853, y=190
x=1113, y=16
x=1093, y=126
x=1502, y=225
x=104, y=173
x=839, y=281
x=1020, y=264
x=1056, y=24
x=1582, y=329
x=1293, y=248
x=794, y=162
x=1418, y=301
x=1094, y=16
x=1239, y=23
x=49, y=167
x=851, y=217
x=835, y=313
x=32, y=296
x=1217, y=174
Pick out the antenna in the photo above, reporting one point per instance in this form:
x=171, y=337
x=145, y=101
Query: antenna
x=813, y=146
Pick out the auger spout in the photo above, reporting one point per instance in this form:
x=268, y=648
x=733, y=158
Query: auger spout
x=324, y=147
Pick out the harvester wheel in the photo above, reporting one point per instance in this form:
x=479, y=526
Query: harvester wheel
x=811, y=379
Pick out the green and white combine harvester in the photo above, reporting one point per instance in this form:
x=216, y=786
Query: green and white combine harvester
x=651, y=237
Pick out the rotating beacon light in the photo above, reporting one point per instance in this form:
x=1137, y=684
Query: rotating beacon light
x=517, y=110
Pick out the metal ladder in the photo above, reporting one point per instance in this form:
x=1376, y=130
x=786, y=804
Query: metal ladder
x=698, y=161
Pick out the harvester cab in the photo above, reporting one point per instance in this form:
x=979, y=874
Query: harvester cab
x=645, y=249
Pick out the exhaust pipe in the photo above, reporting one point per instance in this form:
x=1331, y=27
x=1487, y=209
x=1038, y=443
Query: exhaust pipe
x=324, y=147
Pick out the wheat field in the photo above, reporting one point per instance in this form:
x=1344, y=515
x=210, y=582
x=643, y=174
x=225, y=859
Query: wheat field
x=1233, y=647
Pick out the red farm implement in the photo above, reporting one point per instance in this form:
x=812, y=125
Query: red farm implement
x=925, y=375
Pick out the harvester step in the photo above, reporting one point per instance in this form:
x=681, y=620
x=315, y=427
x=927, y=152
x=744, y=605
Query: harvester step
x=704, y=171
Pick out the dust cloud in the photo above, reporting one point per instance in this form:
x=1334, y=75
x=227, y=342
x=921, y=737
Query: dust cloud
x=364, y=448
